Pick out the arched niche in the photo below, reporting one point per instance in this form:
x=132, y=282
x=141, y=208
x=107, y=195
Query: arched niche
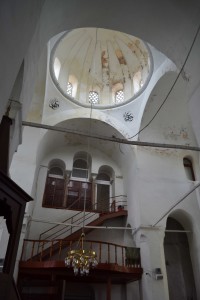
x=179, y=267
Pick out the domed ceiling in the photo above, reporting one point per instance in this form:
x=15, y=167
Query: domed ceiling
x=101, y=67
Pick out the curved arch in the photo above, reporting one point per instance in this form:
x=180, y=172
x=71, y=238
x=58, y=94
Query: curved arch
x=60, y=117
x=57, y=163
x=183, y=217
x=156, y=98
x=52, y=139
x=170, y=123
x=106, y=170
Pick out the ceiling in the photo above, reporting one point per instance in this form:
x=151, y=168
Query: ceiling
x=112, y=65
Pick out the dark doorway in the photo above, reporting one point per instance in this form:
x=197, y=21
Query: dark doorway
x=178, y=263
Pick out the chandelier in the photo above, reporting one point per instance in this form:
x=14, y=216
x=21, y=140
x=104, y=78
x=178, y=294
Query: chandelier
x=81, y=260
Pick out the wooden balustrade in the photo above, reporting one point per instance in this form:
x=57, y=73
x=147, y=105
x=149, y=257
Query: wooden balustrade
x=110, y=253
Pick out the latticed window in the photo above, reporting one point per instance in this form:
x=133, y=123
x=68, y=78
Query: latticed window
x=93, y=97
x=119, y=96
x=69, y=88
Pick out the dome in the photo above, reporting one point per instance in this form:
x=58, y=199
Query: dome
x=101, y=67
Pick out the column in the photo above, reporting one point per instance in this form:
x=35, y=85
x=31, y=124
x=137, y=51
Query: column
x=150, y=240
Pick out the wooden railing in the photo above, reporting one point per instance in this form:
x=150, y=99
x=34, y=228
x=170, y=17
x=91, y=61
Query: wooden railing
x=106, y=252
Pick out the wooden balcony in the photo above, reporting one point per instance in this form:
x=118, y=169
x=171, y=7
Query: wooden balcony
x=75, y=195
x=43, y=260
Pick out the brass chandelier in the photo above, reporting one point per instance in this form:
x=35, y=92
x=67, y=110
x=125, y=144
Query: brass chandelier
x=81, y=260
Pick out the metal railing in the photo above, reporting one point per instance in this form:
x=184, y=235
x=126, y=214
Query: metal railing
x=58, y=231
x=61, y=231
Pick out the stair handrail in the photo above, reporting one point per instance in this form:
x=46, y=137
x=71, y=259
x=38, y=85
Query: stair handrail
x=70, y=219
x=80, y=221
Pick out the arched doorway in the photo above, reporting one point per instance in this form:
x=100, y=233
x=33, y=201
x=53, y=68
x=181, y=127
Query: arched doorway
x=178, y=263
x=103, y=188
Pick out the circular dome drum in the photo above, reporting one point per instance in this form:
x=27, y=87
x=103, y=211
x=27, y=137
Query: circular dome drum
x=101, y=67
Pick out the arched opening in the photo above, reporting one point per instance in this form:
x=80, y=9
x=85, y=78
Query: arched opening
x=55, y=185
x=79, y=188
x=178, y=262
x=188, y=166
x=103, y=188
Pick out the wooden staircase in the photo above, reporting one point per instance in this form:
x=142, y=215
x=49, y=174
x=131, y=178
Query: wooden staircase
x=75, y=235
x=47, y=271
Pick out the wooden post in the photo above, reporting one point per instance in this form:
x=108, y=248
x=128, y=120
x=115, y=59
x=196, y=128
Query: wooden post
x=4, y=142
x=108, y=294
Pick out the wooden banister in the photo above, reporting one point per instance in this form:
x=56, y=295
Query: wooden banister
x=113, y=253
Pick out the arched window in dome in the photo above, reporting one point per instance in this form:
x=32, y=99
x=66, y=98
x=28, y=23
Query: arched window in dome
x=137, y=82
x=118, y=93
x=72, y=85
x=188, y=166
x=69, y=88
x=119, y=96
x=93, y=97
x=57, y=66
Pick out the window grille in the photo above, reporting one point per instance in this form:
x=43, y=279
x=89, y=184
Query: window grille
x=93, y=97
x=119, y=96
x=69, y=88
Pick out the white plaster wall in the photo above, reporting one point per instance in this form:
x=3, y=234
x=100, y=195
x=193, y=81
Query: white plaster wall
x=23, y=166
x=128, y=162
x=162, y=182
x=194, y=109
x=17, y=23
x=66, y=154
